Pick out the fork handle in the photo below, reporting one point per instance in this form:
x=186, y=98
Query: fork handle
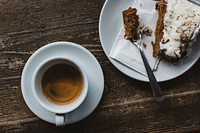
x=197, y=2
x=153, y=82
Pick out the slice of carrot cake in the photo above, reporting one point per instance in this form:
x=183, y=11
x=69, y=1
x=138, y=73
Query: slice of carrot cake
x=131, y=23
x=177, y=28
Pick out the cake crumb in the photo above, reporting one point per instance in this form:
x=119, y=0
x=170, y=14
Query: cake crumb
x=145, y=30
x=144, y=45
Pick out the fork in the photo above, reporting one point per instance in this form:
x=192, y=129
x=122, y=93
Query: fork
x=153, y=82
x=197, y=2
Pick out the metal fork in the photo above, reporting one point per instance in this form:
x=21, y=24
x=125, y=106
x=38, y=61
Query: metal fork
x=197, y=2
x=153, y=82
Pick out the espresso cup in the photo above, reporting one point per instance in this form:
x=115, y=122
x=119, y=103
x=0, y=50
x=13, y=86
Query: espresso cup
x=59, y=85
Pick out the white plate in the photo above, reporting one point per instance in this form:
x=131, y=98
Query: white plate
x=79, y=55
x=110, y=25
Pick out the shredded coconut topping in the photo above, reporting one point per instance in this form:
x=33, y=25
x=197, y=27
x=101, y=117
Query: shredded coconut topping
x=181, y=25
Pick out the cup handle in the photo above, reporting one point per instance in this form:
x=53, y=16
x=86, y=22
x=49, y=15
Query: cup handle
x=60, y=119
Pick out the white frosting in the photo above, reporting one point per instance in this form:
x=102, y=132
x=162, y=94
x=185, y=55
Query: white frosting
x=182, y=17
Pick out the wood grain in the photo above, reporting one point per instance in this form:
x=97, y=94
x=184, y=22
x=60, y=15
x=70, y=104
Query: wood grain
x=127, y=104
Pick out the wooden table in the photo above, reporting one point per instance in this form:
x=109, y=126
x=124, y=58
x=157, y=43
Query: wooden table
x=127, y=104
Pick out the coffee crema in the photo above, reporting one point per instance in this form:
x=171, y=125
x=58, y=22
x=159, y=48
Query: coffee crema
x=62, y=83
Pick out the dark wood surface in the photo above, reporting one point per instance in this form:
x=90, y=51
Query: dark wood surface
x=127, y=104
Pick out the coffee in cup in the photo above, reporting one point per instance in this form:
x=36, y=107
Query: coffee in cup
x=60, y=85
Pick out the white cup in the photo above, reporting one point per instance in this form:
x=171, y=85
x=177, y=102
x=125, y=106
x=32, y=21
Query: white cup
x=61, y=110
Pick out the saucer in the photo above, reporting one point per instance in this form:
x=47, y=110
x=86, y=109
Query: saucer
x=80, y=55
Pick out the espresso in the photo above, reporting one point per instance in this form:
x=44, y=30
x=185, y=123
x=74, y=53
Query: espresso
x=62, y=83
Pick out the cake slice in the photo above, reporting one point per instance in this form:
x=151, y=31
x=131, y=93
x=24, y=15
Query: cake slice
x=177, y=28
x=131, y=23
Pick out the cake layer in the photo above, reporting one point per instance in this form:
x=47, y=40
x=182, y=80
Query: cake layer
x=161, y=7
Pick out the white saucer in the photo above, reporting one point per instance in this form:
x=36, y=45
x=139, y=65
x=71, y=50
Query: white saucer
x=79, y=55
